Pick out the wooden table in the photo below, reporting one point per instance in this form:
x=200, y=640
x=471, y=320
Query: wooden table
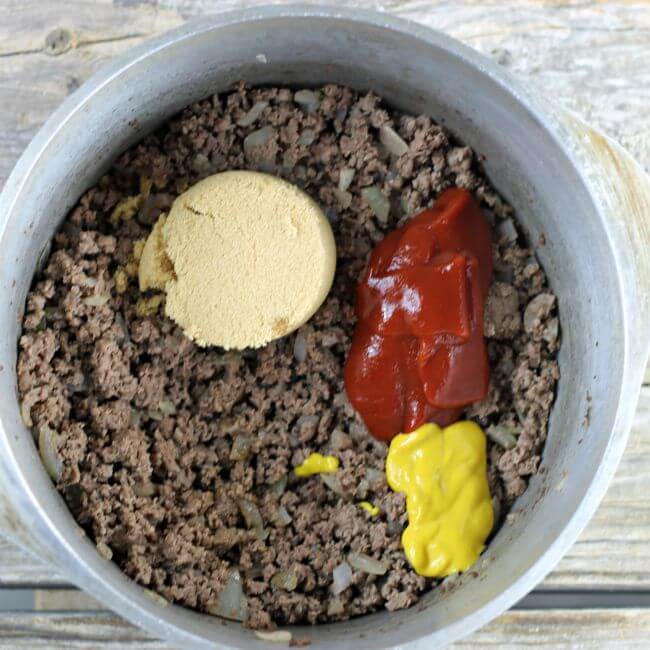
x=594, y=57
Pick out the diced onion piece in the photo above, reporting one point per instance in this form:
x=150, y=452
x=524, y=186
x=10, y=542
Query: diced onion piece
x=253, y=518
x=231, y=602
x=279, y=486
x=258, y=138
x=156, y=598
x=306, y=138
x=282, y=517
x=507, y=231
x=362, y=488
x=377, y=201
x=342, y=578
x=307, y=422
x=536, y=310
x=253, y=114
x=96, y=301
x=394, y=527
x=124, y=330
x=146, y=489
x=155, y=414
x=340, y=440
x=335, y=607
x=300, y=346
x=367, y=564
x=135, y=418
x=451, y=580
x=278, y=636
x=392, y=140
x=373, y=475
x=285, y=579
x=25, y=415
x=241, y=448
x=346, y=175
x=551, y=331
x=201, y=164
x=104, y=550
x=333, y=483
x=47, y=443
x=167, y=407
x=502, y=435
x=307, y=99
x=343, y=197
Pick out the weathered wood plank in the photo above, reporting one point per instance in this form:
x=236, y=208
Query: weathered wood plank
x=560, y=629
x=19, y=569
x=81, y=631
x=65, y=600
x=614, y=550
x=585, y=629
x=591, y=56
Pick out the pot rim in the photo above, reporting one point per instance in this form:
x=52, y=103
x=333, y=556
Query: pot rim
x=70, y=554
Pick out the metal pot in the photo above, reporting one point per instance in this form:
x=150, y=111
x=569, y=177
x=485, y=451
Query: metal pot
x=579, y=189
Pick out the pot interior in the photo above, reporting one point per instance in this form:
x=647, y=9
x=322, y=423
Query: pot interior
x=417, y=71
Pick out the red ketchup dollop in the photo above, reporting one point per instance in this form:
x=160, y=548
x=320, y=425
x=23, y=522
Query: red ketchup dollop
x=418, y=353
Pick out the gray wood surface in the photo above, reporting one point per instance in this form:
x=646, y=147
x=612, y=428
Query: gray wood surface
x=592, y=56
x=586, y=629
x=19, y=569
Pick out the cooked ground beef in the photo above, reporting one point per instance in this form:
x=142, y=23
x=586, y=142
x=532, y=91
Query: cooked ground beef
x=163, y=443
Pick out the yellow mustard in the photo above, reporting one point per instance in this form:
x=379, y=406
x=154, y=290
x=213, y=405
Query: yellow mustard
x=317, y=464
x=370, y=508
x=444, y=475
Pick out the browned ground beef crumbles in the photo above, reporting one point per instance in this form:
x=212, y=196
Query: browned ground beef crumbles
x=163, y=443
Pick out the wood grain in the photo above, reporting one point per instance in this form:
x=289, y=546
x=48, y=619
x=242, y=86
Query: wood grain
x=614, y=550
x=594, y=57
x=584, y=629
x=587, y=629
x=81, y=631
x=19, y=569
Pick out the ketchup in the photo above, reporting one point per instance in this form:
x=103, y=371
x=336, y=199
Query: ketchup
x=418, y=353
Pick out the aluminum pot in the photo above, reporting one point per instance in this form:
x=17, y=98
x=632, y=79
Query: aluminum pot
x=579, y=189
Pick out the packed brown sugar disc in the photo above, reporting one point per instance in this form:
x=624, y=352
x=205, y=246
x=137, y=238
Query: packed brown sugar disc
x=244, y=258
